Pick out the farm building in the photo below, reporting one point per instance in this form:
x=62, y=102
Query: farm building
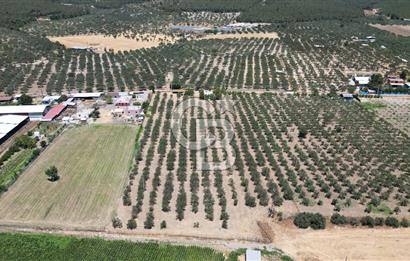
x=141, y=96
x=54, y=112
x=122, y=101
x=6, y=99
x=50, y=99
x=362, y=81
x=10, y=124
x=135, y=113
x=395, y=82
x=252, y=255
x=34, y=112
x=86, y=95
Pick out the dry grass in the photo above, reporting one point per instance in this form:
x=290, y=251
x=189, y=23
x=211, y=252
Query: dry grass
x=343, y=243
x=119, y=43
x=403, y=30
x=93, y=163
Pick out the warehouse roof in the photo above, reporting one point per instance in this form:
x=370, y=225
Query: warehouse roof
x=86, y=95
x=22, y=109
x=9, y=122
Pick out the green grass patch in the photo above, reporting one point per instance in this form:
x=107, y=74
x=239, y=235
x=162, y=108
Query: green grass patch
x=381, y=209
x=372, y=105
x=12, y=168
x=50, y=247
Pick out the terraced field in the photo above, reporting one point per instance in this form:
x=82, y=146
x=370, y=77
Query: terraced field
x=92, y=161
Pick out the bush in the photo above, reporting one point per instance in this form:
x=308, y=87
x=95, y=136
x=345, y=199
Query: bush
x=249, y=200
x=338, y=219
x=379, y=221
x=163, y=224
x=116, y=222
x=367, y=221
x=354, y=221
x=392, y=222
x=132, y=224
x=313, y=220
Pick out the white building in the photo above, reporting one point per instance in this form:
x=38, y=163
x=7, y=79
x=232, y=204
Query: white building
x=86, y=95
x=253, y=255
x=9, y=124
x=361, y=80
x=50, y=99
x=34, y=112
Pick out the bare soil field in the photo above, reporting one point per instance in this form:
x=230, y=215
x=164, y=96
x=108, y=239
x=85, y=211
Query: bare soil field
x=240, y=36
x=93, y=163
x=338, y=243
x=403, y=30
x=119, y=43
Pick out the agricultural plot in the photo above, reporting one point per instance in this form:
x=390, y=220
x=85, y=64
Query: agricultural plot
x=394, y=111
x=293, y=154
x=291, y=62
x=92, y=162
x=49, y=247
x=305, y=55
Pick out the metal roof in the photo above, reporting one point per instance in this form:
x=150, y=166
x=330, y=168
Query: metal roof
x=86, y=95
x=54, y=112
x=22, y=109
x=9, y=122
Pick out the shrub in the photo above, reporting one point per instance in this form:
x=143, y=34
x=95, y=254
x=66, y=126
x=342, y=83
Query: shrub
x=338, y=219
x=249, y=200
x=392, y=222
x=163, y=224
x=313, y=220
x=354, y=221
x=149, y=221
x=132, y=224
x=379, y=221
x=116, y=222
x=367, y=221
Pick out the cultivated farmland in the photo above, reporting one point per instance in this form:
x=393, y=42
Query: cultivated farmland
x=49, y=247
x=93, y=162
x=294, y=153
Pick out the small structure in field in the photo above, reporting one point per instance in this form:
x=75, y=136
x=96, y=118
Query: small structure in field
x=253, y=255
